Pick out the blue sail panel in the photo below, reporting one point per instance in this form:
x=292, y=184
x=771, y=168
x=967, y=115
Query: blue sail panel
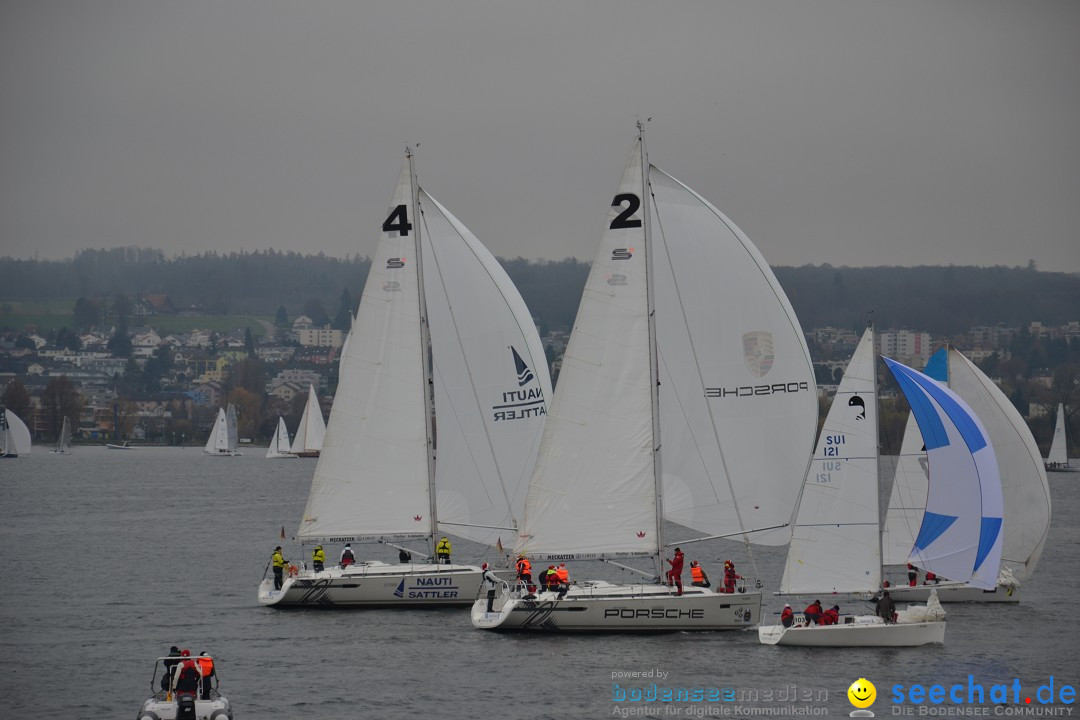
x=937, y=367
x=932, y=527
x=988, y=535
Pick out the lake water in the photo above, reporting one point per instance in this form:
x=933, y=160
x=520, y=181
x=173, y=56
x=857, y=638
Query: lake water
x=113, y=556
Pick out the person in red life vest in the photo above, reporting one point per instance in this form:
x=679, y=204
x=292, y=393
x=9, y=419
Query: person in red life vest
x=186, y=675
x=813, y=612
x=524, y=571
x=830, y=616
x=347, y=557
x=931, y=579
x=730, y=576
x=206, y=669
x=563, y=578
x=787, y=617
x=551, y=579
x=912, y=575
x=698, y=578
x=674, y=575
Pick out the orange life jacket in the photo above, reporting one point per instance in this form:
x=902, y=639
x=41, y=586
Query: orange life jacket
x=697, y=574
x=206, y=664
x=564, y=574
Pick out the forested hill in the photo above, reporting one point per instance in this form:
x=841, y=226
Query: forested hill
x=940, y=300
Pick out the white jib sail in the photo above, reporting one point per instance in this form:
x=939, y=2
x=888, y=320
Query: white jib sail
x=491, y=382
x=219, y=435
x=738, y=400
x=371, y=479
x=1058, y=452
x=834, y=539
x=593, y=491
x=960, y=537
x=312, y=429
x=1024, y=489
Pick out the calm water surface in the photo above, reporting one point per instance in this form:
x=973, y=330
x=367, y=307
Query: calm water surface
x=114, y=556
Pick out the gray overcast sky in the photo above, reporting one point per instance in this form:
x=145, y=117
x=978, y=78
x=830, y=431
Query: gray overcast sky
x=850, y=132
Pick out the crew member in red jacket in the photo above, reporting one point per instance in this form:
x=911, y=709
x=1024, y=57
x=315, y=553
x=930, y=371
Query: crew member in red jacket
x=830, y=616
x=813, y=612
x=787, y=617
x=674, y=575
x=730, y=576
x=912, y=575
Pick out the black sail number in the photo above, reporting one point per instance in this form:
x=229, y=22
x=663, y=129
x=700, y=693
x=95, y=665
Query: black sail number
x=398, y=221
x=625, y=219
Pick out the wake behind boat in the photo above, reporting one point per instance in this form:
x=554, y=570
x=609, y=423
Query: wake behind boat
x=473, y=361
x=598, y=491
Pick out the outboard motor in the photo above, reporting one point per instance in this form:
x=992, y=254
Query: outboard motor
x=185, y=708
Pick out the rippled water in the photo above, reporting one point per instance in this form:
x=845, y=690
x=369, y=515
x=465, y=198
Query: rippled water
x=114, y=556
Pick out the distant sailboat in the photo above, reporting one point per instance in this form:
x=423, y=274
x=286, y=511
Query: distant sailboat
x=1058, y=460
x=14, y=435
x=223, y=440
x=309, y=436
x=279, y=446
x=63, y=442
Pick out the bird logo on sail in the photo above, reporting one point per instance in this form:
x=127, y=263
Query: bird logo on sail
x=758, y=352
x=524, y=374
x=856, y=401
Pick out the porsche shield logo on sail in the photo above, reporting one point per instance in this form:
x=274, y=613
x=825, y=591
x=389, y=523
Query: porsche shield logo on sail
x=758, y=352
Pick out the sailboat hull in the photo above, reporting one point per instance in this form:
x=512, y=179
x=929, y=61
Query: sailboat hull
x=377, y=584
x=865, y=631
x=598, y=606
x=956, y=594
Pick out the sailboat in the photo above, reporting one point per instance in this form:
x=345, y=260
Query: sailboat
x=441, y=334
x=223, y=440
x=309, y=436
x=279, y=446
x=835, y=539
x=1058, y=460
x=63, y=441
x=599, y=491
x=1025, y=491
x=14, y=435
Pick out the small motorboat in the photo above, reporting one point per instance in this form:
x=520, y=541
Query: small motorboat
x=185, y=688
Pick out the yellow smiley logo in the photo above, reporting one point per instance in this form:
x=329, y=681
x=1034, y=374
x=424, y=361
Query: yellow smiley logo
x=862, y=693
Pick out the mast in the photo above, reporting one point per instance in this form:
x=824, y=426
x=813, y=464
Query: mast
x=425, y=345
x=877, y=446
x=654, y=372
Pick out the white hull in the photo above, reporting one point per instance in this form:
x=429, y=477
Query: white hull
x=598, y=606
x=377, y=584
x=158, y=708
x=281, y=456
x=956, y=594
x=222, y=453
x=864, y=631
x=1062, y=468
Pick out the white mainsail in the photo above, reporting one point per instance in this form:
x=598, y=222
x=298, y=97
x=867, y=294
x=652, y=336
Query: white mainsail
x=593, y=490
x=1058, y=453
x=312, y=429
x=375, y=474
x=834, y=540
x=63, y=442
x=738, y=401
x=964, y=499
x=14, y=435
x=279, y=446
x=231, y=429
